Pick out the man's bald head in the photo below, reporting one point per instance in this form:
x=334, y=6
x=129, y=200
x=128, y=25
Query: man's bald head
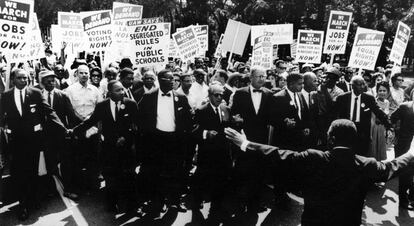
x=358, y=84
x=310, y=81
x=342, y=132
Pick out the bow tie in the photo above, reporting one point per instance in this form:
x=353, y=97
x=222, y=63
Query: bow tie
x=257, y=91
x=166, y=94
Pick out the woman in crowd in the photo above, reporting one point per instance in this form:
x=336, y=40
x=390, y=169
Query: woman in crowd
x=378, y=148
x=177, y=81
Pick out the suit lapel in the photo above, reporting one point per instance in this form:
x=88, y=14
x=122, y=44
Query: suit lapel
x=250, y=100
x=262, y=103
x=14, y=106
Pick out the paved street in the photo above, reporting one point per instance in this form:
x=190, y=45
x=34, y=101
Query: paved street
x=381, y=209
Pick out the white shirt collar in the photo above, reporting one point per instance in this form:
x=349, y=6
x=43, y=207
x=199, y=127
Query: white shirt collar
x=354, y=96
x=252, y=88
x=16, y=90
x=291, y=94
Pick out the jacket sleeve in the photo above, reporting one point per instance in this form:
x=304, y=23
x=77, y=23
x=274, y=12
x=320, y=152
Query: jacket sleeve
x=50, y=114
x=88, y=123
x=384, y=171
x=396, y=115
x=379, y=113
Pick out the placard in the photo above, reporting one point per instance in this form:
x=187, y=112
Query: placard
x=235, y=37
x=150, y=44
x=367, y=44
x=72, y=31
x=337, y=32
x=401, y=39
x=262, y=52
x=187, y=44
x=279, y=33
x=98, y=28
x=35, y=48
x=15, y=18
x=309, y=46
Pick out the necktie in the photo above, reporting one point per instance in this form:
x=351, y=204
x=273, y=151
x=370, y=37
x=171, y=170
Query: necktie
x=49, y=99
x=257, y=91
x=166, y=94
x=354, y=112
x=309, y=99
x=218, y=114
x=21, y=100
x=116, y=111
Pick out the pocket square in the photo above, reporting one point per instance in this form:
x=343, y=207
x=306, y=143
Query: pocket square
x=180, y=108
x=126, y=114
x=33, y=105
x=367, y=109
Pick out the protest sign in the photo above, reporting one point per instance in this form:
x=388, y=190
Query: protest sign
x=202, y=35
x=400, y=43
x=173, y=49
x=150, y=44
x=97, y=26
x=15, y=25
x=122, y=13
x=187, y=44
x=279, y=33
x=309, y=46
x=337, y=32
x=56, y=36
x=219, y=49
x=72, y=32
x=34, y=49
x=293, y=48
x=235, y=37
x=367, y=44
x=262, y=52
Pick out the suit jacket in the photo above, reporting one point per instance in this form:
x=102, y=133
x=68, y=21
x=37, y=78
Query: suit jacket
x=26, y=137
x=334, y=183
x=254, y=125
x=213, y=153
x=111, y=129
x=138, y=94
x=64, y=109
x=226, y=95
x=404, y=114
x=148, y=112
x=368, y=106
x=282, y=108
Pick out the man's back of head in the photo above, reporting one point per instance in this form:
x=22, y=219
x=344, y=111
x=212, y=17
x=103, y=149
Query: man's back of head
x=342, y=132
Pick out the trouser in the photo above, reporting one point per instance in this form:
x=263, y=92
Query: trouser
x=163, y=173
x=406, y=177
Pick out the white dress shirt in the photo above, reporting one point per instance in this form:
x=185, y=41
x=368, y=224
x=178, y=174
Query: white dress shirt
x=165, y=112
x=46, y=96
x=353, y=96
x=17, y=99
x=128, y=93
x=83, y=99
x=293, y=97
x=256, y=98
x=306, y=96
x=199, y=93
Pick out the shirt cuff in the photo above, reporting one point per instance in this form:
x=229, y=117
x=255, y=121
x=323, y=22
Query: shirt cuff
x=243, y=146
x=204, y=134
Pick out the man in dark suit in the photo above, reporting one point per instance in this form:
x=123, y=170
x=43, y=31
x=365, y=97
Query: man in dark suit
x=251, y=108
x=211, y=178
x=358, y=106
x=404, y=114
x=334, y=183
x=126, y=77
x=290, y=115
x=166, y=123
x=57, y=146
x=118, y=116
x=25, y=113
x=222, y=77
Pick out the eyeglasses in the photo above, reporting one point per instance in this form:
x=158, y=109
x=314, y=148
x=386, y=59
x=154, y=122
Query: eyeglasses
x=176, y=80
x=400, y=80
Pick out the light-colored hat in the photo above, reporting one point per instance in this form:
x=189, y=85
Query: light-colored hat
x=46, y=73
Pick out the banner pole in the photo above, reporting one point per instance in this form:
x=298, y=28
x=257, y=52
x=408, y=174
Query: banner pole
x=233, y=43
x=332, y=59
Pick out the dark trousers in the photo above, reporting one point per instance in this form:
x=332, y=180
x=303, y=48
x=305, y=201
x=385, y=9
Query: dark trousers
x=24, y=167
x=163, y=172
x=406, y=178
x=85, y=156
